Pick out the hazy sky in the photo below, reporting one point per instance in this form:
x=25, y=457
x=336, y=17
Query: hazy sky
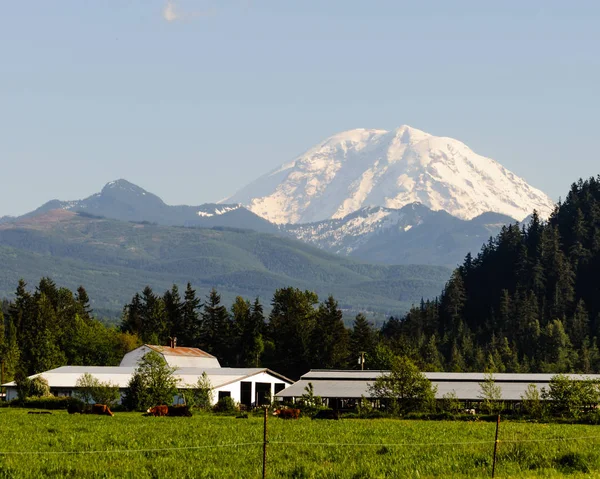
x=192, y=99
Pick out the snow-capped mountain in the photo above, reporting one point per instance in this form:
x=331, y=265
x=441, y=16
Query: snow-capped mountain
x=359, y=168
x=413, y=234
x=125, y=201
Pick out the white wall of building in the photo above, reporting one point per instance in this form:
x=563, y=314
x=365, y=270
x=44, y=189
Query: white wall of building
x=234, y=389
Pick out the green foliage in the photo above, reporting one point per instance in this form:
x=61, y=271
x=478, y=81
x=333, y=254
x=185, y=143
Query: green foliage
x=36, y=387
x=532, y=403
x=153, y=383
x=405, y=388
x=364, y=408
x=450, y=403
x=49, y=402
x=309, y=402
x=491, y=395
x=571, y=398
x=226, y=405
x=39, y=387
x=202, y=393
x=91, y=389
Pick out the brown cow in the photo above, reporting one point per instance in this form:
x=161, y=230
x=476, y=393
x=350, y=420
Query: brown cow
x=288, y=413
x=158, y=411
x=102, y=410
x=182, y=411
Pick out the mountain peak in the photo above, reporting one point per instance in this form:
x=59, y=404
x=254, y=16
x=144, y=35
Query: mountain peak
x=122, y=185
x=363, y=167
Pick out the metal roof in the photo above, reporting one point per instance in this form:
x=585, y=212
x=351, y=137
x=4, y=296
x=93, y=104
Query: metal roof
x=67, y=376
x=180, y=351
x=466, y=386
x=345, y=374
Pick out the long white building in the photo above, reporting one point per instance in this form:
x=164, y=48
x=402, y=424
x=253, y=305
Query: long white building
x=247, y=386
x=340, y=388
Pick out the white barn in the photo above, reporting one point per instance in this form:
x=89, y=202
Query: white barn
x=247, y=386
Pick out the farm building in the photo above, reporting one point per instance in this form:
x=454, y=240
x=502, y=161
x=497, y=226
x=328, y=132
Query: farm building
x=342, y=388
x=247, y=386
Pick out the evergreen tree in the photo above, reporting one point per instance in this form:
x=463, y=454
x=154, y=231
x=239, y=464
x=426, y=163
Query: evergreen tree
x=290, y=327
x=362, y=341
x=191, y=327
x=329, y=340
x=216, y=329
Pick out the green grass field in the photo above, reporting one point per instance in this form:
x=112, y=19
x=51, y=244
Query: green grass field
x=130, y=445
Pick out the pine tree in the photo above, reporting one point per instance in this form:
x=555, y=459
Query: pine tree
x=329, y=338
x=362, y=340
x=191, y=325
x=216, y=329
x=174, y=313
x=290, y=327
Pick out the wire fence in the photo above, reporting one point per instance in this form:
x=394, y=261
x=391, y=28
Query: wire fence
x=266, y=443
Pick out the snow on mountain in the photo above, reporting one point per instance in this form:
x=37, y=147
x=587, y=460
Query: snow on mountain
x=209, y=211
x=344, y=235
x=359, y=168
x=125, y=201
x=413, y=234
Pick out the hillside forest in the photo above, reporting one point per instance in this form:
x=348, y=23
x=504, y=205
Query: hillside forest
x=528, y=302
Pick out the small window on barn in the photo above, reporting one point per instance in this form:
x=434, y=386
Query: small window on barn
x=279, y=387
x=224, y=394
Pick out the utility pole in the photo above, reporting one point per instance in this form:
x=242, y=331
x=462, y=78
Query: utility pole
x=361, y=360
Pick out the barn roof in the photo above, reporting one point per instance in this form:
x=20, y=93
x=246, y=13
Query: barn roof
x=67, y=376
x=180, y=351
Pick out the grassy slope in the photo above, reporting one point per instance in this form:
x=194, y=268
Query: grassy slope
x=367, y=457
x=114, y=259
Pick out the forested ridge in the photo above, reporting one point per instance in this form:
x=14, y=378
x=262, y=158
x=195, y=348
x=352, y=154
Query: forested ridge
x=528, y=302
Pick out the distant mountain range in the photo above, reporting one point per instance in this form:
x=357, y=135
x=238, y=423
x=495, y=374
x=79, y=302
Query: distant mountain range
x=413, y=234
x=363, y=168
x=125, y=201
x=114, y=259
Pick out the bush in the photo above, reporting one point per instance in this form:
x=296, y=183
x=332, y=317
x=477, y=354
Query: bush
x=39, y=387
x=226, y=404
x=50, y=402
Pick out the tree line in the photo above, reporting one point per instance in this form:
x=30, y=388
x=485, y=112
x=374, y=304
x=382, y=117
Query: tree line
x=528, y=302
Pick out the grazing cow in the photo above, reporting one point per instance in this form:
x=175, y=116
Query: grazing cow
x=157, y=411
x=288, y=413
x=181, y=411
x=470, y=411
x=74, y=408
x=101, y=410
x=327, y=414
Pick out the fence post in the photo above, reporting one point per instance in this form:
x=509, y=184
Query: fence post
x=264, y=470
x=495, y=446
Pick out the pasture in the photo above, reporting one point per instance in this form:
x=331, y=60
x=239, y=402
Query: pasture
x=130, y=445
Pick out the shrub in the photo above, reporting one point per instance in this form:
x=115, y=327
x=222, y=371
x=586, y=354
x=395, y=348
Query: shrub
x=50, y=402
x=90, y=389
x=532, y=403
x=39, y=387
x=450, y=403
x=226, y=404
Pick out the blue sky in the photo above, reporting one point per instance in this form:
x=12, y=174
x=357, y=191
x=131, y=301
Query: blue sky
x=192, y=99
